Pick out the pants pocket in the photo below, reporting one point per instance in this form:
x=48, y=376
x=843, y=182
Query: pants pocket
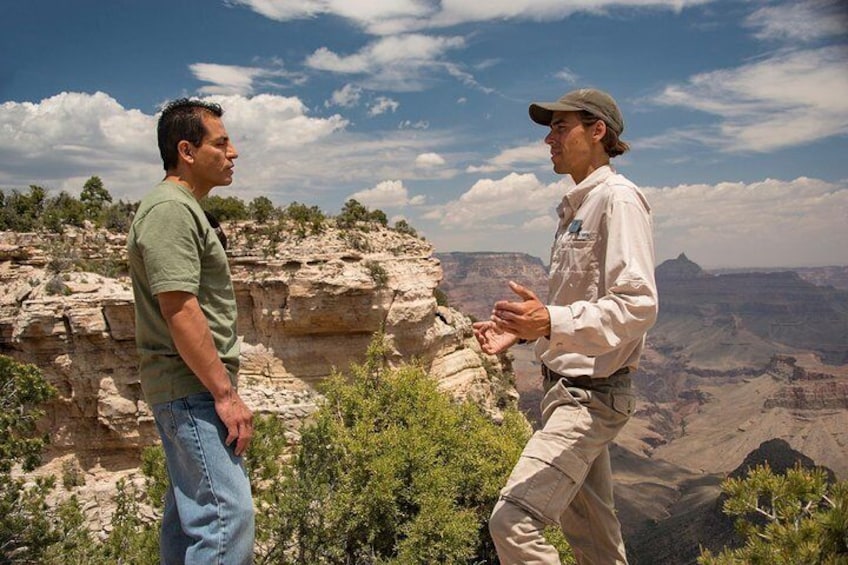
x=546, y=477
x=623, y=402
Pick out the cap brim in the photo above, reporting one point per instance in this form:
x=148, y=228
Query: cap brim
x=543, y=112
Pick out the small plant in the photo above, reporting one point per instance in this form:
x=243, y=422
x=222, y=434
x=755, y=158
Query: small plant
x=377, y=273
x=357, y=241
x=402, y=226
x=795, y=517
x=306, y=219
x=57, y=287
x=72, y=475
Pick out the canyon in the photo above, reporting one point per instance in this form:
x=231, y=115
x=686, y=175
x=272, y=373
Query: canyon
x=735, y=361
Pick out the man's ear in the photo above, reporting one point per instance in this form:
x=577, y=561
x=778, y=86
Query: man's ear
x=185, y=151
x=599, y=130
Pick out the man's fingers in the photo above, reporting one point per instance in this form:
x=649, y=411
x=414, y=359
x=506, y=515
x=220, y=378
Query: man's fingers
x=245, y=435
x=232, y=434
x=521, y=291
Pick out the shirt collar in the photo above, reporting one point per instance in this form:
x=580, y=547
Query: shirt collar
x=577, y=194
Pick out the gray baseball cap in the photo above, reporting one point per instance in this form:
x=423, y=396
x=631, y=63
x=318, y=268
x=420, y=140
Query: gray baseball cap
x=596, y=102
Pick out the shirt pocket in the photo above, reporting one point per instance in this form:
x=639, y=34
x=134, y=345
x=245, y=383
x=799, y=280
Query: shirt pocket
x=575, y=268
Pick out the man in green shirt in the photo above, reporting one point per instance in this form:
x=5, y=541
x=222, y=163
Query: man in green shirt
x=187, y=343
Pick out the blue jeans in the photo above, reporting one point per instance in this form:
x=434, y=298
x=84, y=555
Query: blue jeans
x=208, y=515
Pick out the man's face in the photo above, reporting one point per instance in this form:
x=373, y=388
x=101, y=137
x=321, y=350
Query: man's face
x=213, y=159
x=571, y=144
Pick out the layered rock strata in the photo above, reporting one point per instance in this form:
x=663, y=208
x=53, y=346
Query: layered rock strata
x=308, y=306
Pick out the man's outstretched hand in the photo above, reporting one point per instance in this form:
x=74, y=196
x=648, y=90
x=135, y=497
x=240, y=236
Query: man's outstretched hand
x=492, y=339
x=527, y=318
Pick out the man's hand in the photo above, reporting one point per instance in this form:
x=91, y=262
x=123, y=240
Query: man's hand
x=492, y=339
x=527, y=319
x=238, y=419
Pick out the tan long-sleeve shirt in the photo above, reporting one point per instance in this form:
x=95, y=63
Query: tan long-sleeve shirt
x=602, y=295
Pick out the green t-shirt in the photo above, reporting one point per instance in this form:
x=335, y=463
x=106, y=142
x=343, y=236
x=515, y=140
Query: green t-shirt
x=172, y=247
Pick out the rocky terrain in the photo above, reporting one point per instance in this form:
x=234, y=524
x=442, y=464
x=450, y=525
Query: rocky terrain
x=308, y=306
x=735, y=361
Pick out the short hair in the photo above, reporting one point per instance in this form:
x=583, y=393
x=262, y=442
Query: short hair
x=612, y=144
x=182, y=119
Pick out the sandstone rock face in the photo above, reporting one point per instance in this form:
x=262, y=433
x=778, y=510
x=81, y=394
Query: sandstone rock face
x=307, y=306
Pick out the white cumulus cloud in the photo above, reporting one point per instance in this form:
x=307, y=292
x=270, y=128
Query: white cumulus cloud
x=768, y=223
x=389, y=17
x=400, y=63
x=387, y=194
x=508, y=199
x=382, y=105
x=234, y=79
x=346, y=97
x=71, y=136
x=800, y=21
x=532, y=154
x=429, y=160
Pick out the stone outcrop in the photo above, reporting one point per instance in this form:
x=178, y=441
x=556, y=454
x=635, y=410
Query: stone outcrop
x=807, y=389
x=308, y=306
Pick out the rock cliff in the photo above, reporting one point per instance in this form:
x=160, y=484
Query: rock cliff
x=308, y=305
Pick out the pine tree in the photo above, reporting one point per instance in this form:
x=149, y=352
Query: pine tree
x=791, y=519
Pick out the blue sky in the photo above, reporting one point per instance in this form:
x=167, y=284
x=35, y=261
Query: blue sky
x=737, y=111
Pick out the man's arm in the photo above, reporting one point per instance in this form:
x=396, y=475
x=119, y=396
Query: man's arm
x=193, y=340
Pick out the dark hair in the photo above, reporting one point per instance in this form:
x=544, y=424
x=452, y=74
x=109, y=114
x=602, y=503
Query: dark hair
x=612, y=144
x=182, y=119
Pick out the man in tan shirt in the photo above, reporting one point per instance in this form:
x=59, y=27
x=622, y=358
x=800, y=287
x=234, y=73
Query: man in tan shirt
x=589, y=337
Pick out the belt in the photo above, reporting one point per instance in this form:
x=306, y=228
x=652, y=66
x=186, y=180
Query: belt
x=585, y=381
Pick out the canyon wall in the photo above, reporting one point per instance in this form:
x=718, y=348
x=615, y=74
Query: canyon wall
x=308, y=306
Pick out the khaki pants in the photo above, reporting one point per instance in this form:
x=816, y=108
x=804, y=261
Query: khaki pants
x=563, y=478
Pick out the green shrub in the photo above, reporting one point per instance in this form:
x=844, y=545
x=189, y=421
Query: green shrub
x=26, y=526
x=392, y=471
x=94, y=198
x=377, y=273
x=306, y=219
x=261, y=209
x=786, y=519
x=402, y=226
x=225, y=207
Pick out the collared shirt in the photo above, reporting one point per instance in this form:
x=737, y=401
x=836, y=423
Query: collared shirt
x=602, y=295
